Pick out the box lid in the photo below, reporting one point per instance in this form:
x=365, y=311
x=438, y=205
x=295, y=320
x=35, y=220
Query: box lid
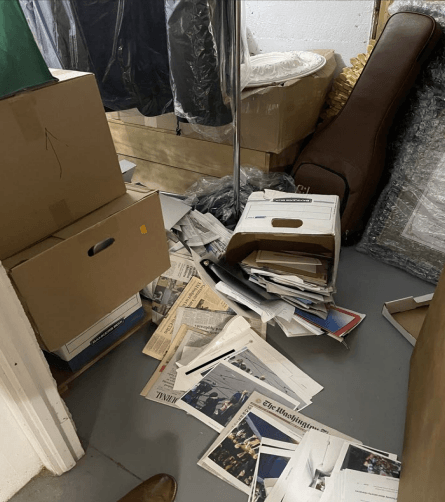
x=407, y=315
x=73, y=279
x=279, y=221
x=424, y=446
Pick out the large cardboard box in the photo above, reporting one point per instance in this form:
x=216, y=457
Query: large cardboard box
x=272, y=117
x=277, y=221
x=407, y=315
x=58, y=161
x=423, y=458
x=84, y=271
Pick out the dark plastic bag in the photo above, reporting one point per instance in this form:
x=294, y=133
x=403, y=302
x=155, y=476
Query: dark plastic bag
x=216, y=196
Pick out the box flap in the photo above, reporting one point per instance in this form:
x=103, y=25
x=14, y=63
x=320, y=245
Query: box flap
x=71, y=285
x=63, y=75
x=423, y=458
x=30, y=252
x=412, y=320
x=101, y=214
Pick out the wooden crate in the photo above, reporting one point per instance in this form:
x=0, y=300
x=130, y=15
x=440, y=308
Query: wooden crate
x=172, y=163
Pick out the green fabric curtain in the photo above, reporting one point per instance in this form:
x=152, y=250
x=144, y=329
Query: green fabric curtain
x=21, y=63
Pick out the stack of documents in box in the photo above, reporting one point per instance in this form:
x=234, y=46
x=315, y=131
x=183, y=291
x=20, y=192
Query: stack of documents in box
x=304, y=282
x=288, y=246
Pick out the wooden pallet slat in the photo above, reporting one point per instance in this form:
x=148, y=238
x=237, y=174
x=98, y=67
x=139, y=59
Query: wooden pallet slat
x=165, y=178
x=160, y=147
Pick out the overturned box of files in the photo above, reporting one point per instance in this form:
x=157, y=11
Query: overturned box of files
x=407, y=315
x=287, y=222
x=81, y=273
x=58, y=159
x=101, y=335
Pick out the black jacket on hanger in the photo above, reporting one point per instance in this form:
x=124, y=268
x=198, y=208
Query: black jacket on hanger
x=199, y=48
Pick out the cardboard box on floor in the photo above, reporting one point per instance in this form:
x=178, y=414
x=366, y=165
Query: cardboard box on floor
x=423, y=458
x=83, y=272
x=277, y=221
x=273, y=117
x=407, y=315
x=58, y=159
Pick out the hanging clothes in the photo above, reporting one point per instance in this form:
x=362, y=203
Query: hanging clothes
x=144, y=52
x=199, y=48
x=57, y=33
x=123, y=42
x=127, y=41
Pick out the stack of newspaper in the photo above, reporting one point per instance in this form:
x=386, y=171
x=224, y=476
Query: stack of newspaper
x=275, y=454
x=295, y=290
x=203, y=233
x=216, y=361
x=195, y=233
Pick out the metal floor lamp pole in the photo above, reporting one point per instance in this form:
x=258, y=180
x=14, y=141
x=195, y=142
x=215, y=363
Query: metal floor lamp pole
x=236, y=97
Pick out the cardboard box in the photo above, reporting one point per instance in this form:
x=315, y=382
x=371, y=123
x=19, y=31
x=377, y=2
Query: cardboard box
x=58, y=159
x=407, y=315
x=277, y=221
x=83, y=272
x=102, y=334
x=423, y=456
x=272, y=117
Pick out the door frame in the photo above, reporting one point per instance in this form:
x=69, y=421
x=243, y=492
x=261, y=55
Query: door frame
x=29, y=388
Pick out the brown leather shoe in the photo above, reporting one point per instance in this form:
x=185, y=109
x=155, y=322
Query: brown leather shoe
x=159, y=488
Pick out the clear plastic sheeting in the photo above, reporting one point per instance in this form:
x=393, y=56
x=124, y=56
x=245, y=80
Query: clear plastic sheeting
x=277, y=67
x=49, y=21
x=215, y=196
x=407, y=228
x=200, y=55
x=123, y=42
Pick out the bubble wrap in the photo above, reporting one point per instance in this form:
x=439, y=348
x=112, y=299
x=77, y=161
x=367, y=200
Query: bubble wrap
x=407, y=227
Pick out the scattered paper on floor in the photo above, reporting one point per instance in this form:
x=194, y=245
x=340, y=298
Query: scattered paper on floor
x=195, y=295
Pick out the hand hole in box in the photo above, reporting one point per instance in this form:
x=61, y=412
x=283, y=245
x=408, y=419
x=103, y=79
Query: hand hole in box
x=286, y=223
x=100, y=246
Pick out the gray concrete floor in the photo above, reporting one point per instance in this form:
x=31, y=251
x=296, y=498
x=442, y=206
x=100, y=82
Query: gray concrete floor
x=128, y=439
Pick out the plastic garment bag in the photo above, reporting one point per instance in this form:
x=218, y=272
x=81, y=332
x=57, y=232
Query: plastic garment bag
x=57, y=33
x=124, y=42
x=21, y=64
x=197, y=60
x=127, y=43
x=200, y=52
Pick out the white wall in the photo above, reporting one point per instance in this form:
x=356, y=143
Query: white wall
x=288, y=25
x=18, y=461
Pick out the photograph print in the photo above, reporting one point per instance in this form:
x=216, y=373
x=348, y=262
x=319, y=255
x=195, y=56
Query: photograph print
x=236, y=455
x=358, y=459
x=249, y=363
x=222, y=392
x=270, y=467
